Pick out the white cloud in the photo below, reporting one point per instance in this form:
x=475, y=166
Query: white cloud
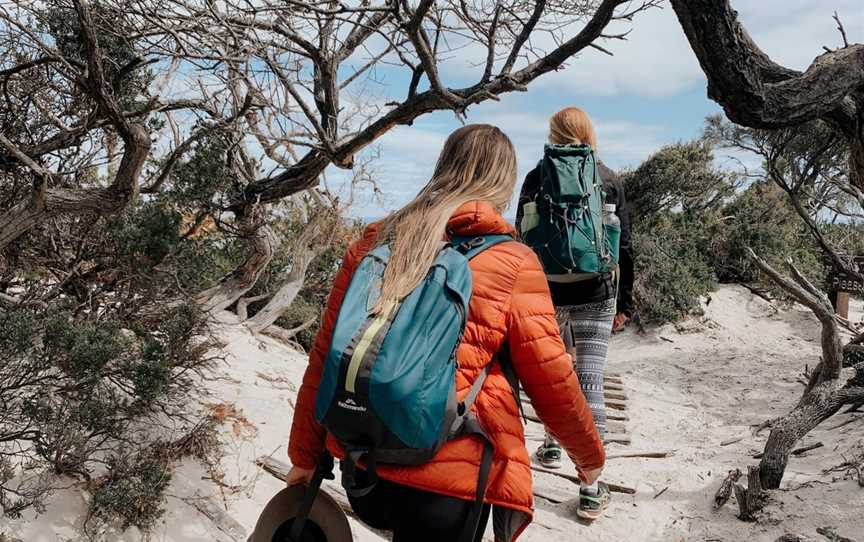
x=793, y=32
x=655, y=60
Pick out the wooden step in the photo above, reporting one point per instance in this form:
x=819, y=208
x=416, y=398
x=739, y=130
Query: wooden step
x=614, y=488
x=613, y=426
x=616, y=405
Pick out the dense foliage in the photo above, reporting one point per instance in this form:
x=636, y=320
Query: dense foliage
x=674, y=196
x=694, y=222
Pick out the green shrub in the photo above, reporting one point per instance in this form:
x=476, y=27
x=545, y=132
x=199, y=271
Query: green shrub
x=672, y=271
x=674, y=198
x=679, y=177
x=132, y=492
x=761, y=218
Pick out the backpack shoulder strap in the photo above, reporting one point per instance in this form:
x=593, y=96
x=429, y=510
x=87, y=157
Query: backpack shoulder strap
x=471, y=246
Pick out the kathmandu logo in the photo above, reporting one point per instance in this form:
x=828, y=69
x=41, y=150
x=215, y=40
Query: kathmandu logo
x=351, y=405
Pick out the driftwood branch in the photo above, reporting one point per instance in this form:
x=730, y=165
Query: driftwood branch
x=615, y=488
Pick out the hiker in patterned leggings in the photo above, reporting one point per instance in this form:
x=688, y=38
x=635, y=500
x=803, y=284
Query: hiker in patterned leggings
x=585, y=305
x=585, y=329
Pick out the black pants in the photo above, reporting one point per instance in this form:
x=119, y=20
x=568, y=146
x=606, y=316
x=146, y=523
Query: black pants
x=415, y=515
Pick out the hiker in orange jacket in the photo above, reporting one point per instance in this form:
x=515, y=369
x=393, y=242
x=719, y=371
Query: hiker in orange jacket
x=510, y=308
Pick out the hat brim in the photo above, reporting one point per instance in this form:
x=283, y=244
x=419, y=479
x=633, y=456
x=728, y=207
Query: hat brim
x=282, y=508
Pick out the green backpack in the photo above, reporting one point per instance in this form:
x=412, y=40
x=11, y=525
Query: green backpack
x=565, y=223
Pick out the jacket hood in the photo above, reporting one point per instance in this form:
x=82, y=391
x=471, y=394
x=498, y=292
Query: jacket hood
x=478, y=218
x=472, y=218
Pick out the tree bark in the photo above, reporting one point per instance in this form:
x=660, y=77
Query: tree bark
x=304, y=252
x=752, y=499
x=282, y=299
x=816, y=406
x=47, y=202
x=757, y=92
x=262, y=244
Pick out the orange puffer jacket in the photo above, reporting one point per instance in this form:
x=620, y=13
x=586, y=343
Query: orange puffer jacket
x=510, y=302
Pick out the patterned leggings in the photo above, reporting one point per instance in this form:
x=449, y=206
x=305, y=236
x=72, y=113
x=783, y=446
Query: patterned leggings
x=585, y=330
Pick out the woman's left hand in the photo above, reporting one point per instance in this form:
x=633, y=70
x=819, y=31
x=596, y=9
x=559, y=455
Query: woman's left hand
x=299, y=476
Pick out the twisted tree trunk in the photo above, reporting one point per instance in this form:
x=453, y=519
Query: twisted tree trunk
x=284, y=297
x=306, y=248
x=262, y=242
x=823, y=396
x=817, y=405
x=46, y=202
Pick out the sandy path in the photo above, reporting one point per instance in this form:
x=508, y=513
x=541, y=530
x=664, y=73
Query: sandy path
x=736, y=366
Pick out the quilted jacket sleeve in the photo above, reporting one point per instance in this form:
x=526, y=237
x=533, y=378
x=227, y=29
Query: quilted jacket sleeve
x=545, y=368
x=307, y=438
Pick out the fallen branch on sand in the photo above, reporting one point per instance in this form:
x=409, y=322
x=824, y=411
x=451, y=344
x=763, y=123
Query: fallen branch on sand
x=212, y=511
x=845, y=423
x=649, y=455
x=662, y=491
x=797, y=451
x=831, y=534
x=614, y=488
x=855, y=467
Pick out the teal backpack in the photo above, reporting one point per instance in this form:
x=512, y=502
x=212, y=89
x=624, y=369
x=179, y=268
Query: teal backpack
x=388, y=389
x=565, y=225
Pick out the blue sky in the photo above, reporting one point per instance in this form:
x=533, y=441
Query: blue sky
x=651, y=93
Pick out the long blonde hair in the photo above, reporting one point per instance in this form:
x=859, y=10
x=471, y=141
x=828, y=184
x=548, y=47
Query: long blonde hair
x=477, y=163
x=572, y=126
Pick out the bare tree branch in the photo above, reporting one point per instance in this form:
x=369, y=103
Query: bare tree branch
x=808, y=295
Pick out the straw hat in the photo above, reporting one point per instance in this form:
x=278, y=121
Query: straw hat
x=326, y=522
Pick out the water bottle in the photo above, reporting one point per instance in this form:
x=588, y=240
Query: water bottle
x=530, y=217
x=612, y=226
x=609, y=216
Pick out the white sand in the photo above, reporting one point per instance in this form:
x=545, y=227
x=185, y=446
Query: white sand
x=736, y=366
